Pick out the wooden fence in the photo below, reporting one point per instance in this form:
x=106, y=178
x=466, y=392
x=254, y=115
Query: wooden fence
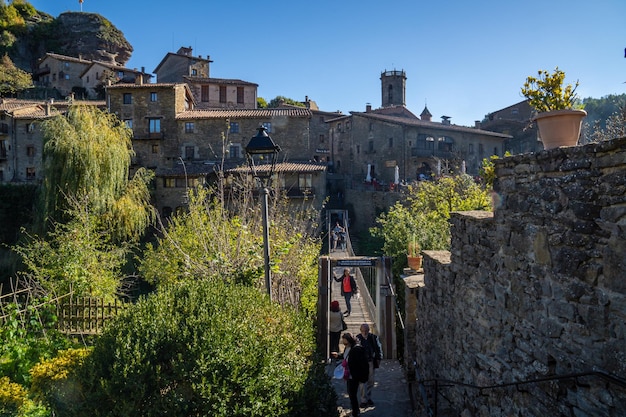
x=84, y=315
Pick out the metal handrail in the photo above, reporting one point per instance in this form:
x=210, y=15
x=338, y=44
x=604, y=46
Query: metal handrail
x=438, y=382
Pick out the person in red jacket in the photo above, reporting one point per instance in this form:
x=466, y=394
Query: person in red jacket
x=348, y=289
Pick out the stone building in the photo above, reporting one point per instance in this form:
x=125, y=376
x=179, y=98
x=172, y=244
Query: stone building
x=21, y=139
x=174, y=67
x=516, y=121
x=377, y=141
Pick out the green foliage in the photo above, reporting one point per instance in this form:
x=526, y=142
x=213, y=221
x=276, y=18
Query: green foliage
x=13, y=79
x=261, y=103
x=205, y=349
x=424, y=215
x=87, y=155
x=54, y=381
x=26, y=336
x=220, y=244
x=278, y=100
x=76, y=256
x=546, y=92
x=488, y=170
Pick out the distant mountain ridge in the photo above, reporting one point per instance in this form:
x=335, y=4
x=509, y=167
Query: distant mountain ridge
x=26, y=35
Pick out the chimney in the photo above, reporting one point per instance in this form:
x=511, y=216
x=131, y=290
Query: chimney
x=368, y=108
x=477, y=124
x=143, y=70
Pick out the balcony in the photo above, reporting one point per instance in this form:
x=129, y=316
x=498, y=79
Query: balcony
x=427, y=153
x=148, y=136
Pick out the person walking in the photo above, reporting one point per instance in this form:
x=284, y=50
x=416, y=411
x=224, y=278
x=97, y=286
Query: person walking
x=355, y=369
x=348, y=288
x=373, y=352
x=338, y=232
x=335, y=326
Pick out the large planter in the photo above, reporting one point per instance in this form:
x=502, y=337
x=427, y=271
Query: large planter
x=560, y=127
x=415, y=262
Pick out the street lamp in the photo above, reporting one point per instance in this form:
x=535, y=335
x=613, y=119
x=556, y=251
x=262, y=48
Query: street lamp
x=261, y=154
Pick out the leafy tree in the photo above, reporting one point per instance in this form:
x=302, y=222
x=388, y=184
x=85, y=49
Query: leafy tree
x=75, y=256
x=424, y=215
x=261, y=103
x=225, y=244
x=13, y=79
x=87, y=155
x=202, y=348
x=278, y=100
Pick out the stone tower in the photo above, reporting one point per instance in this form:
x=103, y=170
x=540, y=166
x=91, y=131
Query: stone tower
x=393, y=88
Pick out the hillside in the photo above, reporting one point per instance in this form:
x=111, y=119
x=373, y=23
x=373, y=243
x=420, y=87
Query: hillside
x=27, y=34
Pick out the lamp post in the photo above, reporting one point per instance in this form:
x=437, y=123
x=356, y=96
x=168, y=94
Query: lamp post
x=261, y=153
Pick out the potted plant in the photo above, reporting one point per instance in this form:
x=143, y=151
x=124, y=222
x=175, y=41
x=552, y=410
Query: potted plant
x=558, y=119
x=413, y=255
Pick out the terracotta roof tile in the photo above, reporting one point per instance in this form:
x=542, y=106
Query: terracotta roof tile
x=242, y=113
x=192, y=79
x=302, y=167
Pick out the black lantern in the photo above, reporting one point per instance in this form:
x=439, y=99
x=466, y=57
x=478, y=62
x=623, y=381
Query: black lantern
x=262, y=154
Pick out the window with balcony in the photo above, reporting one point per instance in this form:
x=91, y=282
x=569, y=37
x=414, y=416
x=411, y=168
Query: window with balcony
x=128, y=98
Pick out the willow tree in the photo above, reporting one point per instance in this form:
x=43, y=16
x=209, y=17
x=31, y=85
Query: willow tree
x=87, y=155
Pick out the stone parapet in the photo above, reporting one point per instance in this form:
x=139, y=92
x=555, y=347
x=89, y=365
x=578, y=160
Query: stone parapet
x=533, y=290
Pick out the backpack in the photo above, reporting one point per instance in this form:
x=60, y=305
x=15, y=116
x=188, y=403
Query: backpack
x=357, y=362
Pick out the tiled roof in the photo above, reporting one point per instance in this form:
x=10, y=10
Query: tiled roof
x=302, y=167
x=422, y=123
x=209, y=80
x=145, y=85
x=242, y=113
x=194, y=169
x=65, y=58
x=114, y=67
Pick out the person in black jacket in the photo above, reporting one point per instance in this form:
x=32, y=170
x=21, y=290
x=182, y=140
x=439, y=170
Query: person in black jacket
x=355, y=359
x=348, y=289
x=373, y=352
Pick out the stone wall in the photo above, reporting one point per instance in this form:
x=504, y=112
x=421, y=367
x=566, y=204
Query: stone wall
x=533, y=290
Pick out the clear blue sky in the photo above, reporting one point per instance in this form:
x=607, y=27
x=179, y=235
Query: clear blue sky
x=462, y=58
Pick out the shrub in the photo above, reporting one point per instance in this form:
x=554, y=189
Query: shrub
x=205, y=348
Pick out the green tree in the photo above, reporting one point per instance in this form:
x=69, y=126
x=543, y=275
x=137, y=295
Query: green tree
x=13, y=79
x=225, y=244
x=87, y=156
x=278, y=100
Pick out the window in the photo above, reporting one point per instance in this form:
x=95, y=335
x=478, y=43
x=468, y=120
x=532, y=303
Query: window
x=305, y=181
x=371, y=127
x=495, y=150
x=128, y=98
x=169, y=182
x=268, y=127
x=222, y=94
x=358, y=149
x=154, y=125
x=194, y=72
x=155, y=148
x=240, y=95
x=391, y=142
x=193, y=182
x=30, y=173
x=66, y=64
x=153, y=97
x=120, y=74
x=30, y=127
x=470, y=149
x=322, y=138
x=1, y=175
x=234, y=127
x=480, y=149
x=348, y=125
x=128, y=123
x=189, y=126
x=339, y=127
x=30, y=150
x=204, y=93
x=189, y=152
x=370, y=146
x=54, y=76
x=88, y=79
x=235, y=151
x=67, y=76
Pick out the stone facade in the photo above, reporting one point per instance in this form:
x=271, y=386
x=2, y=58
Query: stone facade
x=534, y=290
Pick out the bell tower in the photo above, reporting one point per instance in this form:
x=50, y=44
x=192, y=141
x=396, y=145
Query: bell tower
x=393, y=88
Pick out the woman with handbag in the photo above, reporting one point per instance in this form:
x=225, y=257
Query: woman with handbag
x=355, y=368
x=336, y=326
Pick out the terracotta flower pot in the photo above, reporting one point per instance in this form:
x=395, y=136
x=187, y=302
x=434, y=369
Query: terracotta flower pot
x=415, y=262
x=560, y=127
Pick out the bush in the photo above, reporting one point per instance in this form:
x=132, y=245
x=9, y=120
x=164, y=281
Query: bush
x=206, y=348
